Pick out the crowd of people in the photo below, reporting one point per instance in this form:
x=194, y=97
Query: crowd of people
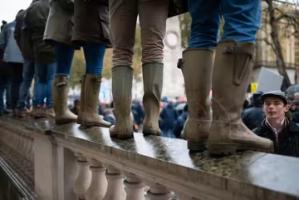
x=39, y=45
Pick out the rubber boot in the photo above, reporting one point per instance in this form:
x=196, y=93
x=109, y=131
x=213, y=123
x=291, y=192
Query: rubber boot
x=89, y=114
x=122, y=77
x=152, y=84
x=63, y=114
x=228, y=134
x=197, y=70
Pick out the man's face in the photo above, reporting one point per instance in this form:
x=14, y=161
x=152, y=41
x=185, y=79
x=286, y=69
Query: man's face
x=274, y=108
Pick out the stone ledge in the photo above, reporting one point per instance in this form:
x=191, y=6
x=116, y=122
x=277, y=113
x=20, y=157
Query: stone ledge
x=247, y=175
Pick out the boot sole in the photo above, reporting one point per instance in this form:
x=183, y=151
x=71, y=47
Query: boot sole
x=91, y=124
x=121, y=136
x=126, y=134
x=65, y=121
x=150, y=132
x=228, y=149
x=196, y=146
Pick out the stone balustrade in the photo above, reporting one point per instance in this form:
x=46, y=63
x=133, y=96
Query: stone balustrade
x=71, y=162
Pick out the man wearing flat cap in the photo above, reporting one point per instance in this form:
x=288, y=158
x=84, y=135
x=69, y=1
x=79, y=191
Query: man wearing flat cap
x=277, y=127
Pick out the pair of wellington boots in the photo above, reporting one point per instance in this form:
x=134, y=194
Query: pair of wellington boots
x=88, y=114
x=122, y=77
x=224, y=133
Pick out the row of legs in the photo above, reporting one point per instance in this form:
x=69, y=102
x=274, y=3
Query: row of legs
x=225, y=71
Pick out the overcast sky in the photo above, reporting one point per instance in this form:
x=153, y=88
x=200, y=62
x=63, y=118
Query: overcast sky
x=9, y=8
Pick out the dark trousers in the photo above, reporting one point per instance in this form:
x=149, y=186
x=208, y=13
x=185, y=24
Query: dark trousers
x=4, y=84
x=16, y=70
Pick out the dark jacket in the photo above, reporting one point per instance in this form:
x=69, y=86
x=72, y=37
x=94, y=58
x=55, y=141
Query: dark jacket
x=35, y=20
x=253, y=117
x=23, y=36
x=287, y=142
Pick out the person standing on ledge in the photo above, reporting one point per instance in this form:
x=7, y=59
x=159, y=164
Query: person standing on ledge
x=229, y=75
x=152, y=17
x=277, y=127
x=72, y=24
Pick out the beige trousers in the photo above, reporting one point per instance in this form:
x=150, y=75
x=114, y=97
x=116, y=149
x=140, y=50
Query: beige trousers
x=152, y=17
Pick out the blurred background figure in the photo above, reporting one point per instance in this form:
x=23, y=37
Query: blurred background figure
x=254, y=115
x=13, y=63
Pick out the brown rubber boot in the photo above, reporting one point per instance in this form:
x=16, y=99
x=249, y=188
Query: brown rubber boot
x=122, y=77
x=89, y=114
x=228, y=134
x=197, y=69
x=63, y=114
x=82, y=104
x=152, y=84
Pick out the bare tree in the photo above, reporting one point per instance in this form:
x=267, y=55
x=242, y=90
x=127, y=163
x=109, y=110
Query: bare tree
x=278, y=16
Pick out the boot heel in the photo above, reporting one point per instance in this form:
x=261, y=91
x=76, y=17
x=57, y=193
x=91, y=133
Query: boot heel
x=221, y=149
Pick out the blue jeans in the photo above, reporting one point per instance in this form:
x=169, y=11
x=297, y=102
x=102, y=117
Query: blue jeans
x=24, y=93
x=242, y=20
x=64, y=56
x=93, y=53
x=94, y=56
x=43, y=89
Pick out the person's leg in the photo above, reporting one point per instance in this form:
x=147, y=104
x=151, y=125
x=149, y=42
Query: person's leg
x=205, y=23
x=64, y=56
x=94, y=55
x=233, y=65
x=242, y=20
x=197, y=68
x=15, y=84
x=24, y=93
x=153, y=28
x=123, y=16
x=9, y=75
x=38, y=92
x=51, y=69
x=2, y=86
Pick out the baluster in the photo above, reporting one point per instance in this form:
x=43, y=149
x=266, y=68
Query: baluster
x=115, y=190
x=158, y=192
x=98, y=186
x=83, y=179
x=134, y=187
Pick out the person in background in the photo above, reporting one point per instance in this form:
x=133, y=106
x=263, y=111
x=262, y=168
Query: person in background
x=13, y=61
x=254, y=115
x=76, y=107
x=294, y=107
x=3, y=23
x=168, y=120
x=277, y=127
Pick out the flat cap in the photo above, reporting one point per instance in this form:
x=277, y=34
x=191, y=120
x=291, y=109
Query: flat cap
x=276, y=93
